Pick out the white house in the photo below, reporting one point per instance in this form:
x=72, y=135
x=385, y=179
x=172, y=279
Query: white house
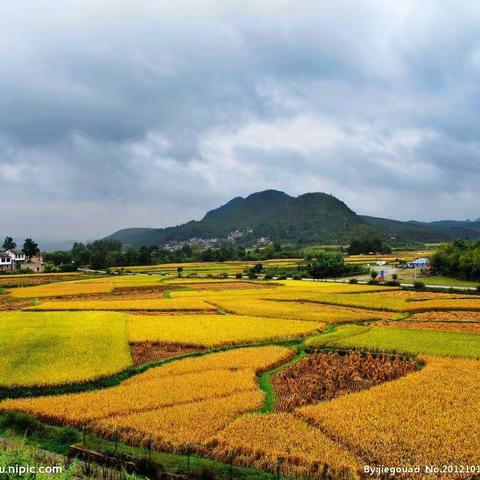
x=5, y=261
x=17, y=257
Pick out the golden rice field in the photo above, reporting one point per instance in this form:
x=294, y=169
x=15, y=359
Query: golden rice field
x=88, y=286
x=471, y=327
x=61, y=347
x=214, y=268
x=215, y=330
x=447, y=316
x=262, y=440
x=24, y=280
x=297, y=310
x=217, y=398
x=62, y=289
x=158, y=305
x=426, y=417
x=215, y=388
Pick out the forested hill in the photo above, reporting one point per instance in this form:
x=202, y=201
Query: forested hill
x=274, y=216
x=270, y=215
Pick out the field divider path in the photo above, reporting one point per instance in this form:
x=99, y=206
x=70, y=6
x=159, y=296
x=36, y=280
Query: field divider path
x=114, y=380
x=265, y=382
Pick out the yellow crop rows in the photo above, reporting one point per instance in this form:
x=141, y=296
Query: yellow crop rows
x=296, y=310
x=426, y=417
x=62, y=289
x=227, y=381
x=177, y=427
x=215, y=330
x=263, y=441
x=160, y=305
x=217, y=401
x=61, y=347
x=447, y=316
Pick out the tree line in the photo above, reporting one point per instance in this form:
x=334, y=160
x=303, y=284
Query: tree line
x=460, y=259
x=106, y=253
x=30, y=247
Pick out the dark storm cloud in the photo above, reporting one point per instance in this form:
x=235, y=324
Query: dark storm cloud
x=139, y=113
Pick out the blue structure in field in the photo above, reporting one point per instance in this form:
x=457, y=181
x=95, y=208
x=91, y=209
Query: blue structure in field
x=422, y=262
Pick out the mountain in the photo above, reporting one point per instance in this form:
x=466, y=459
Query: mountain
x=274, y=216
x=265, y=216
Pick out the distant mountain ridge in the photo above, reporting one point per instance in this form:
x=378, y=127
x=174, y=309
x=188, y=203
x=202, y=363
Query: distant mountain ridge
x=274, y=216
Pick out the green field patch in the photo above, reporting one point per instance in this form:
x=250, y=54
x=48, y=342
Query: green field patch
x=391, y=339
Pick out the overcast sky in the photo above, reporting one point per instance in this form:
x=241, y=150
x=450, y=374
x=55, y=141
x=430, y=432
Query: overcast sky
x=120, y=113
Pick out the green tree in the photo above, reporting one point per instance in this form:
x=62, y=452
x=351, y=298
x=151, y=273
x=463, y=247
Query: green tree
x=80, y=254
x=327, y=264
x=368, y=245
x=9, y=244
x=144, y=256
x=30, y=248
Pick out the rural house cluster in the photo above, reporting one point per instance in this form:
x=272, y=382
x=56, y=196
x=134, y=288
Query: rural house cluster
x=17, y=260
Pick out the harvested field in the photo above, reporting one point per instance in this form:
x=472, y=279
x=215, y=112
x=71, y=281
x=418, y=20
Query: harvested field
x=323, y=376
x=8, y=281
x=148, y=352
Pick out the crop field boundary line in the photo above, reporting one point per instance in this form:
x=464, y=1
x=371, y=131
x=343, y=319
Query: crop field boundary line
x=114, y=380
x=265, y=380
x=360, y=307
x=168, y=405
x=361, y=456
x=245, y=471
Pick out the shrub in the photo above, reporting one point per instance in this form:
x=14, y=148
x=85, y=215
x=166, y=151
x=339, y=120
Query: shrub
x=282, y=277
x=21, y=422
x=252, y=276
x=268, y=276
x=372, y=282
x=297, y=277
x=149, y=468
x=239, y=275
x=353, y=280
x=68, y=436
x=417, y=285
x=392, y=283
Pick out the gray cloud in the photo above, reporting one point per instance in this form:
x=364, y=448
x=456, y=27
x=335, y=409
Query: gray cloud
x=137, y=113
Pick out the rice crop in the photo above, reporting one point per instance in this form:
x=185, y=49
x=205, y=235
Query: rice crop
x=152, y=304
x=429, y=417
x=215, y=330
x=61, y=347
